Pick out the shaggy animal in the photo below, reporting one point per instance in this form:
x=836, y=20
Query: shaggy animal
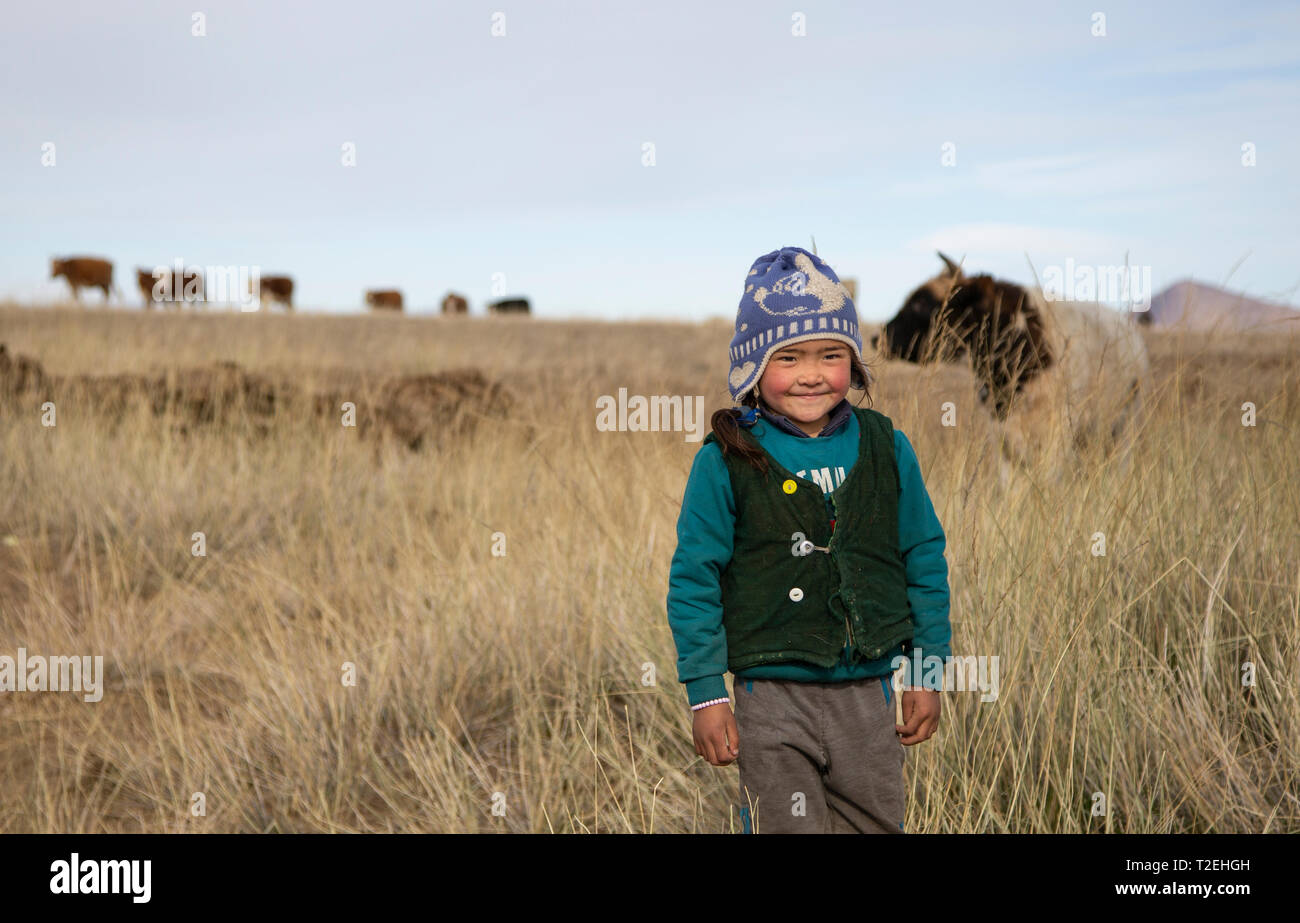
x=454, y=304
x=88, y=271
x=169, y=287
x=384, y=299
x=509, y=306
x=1055, y=375
x=277, y=288
x=19, y=374
x=439, y=407
x=417, y=410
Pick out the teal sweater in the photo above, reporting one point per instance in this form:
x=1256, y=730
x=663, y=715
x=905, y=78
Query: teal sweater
x=705, y=530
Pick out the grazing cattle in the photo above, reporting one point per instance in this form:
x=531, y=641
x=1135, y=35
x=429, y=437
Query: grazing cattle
x=454, y=304
x=169, y=287
x=89, y=271
x=509, y=306
x=277, y=288
x=1055, y=375
x=384, y=299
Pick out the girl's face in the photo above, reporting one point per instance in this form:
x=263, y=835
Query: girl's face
x=805, y=380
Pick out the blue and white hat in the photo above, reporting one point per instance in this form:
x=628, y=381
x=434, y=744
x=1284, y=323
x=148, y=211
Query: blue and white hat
x=790, y=296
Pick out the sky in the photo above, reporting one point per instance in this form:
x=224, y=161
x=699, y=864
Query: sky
x=518, y=163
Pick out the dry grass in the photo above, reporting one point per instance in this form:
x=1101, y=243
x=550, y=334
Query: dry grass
x=522, y=674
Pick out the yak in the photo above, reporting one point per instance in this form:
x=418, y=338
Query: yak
x=1055, y=375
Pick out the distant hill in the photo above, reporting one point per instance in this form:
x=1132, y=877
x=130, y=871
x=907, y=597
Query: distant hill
x=1197, y=306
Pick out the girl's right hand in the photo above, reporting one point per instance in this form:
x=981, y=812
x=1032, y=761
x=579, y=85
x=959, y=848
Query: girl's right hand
x=716, y=737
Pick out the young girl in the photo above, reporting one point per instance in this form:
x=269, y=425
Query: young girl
x=808, y=558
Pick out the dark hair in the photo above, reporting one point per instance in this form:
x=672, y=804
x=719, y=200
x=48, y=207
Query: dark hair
x=727, y=431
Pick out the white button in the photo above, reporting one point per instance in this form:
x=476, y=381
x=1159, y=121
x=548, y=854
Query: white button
x=796, y=594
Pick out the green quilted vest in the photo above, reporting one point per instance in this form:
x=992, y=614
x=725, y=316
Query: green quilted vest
x=796, y=591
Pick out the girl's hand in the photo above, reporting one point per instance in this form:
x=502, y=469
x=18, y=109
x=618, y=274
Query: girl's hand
x=716, y=737
x=920, y=716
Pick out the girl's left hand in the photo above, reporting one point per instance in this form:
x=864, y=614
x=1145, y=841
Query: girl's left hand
x=920, y=716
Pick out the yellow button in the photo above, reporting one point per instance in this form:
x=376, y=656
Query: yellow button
x=789, y=486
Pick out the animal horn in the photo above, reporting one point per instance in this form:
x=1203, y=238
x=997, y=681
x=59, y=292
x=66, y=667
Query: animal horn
x=953, y=269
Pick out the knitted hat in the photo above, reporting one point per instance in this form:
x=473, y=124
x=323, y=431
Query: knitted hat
x=790, y=296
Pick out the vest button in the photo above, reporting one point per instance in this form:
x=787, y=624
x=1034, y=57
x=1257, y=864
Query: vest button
x=796, y=594
x=789, y=486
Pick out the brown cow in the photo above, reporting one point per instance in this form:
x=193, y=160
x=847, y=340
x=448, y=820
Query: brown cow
x=89, y=271
x=277, y=288
x=169, y=287
x=509, y=306
x=454, y=304
x=384, y=299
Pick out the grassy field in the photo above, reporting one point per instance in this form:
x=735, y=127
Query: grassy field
x=506, y=692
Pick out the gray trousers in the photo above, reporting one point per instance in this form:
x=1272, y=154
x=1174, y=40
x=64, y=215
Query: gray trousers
x=819, y=757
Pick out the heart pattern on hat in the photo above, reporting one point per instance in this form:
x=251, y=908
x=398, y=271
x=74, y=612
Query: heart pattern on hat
x=740, y=373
